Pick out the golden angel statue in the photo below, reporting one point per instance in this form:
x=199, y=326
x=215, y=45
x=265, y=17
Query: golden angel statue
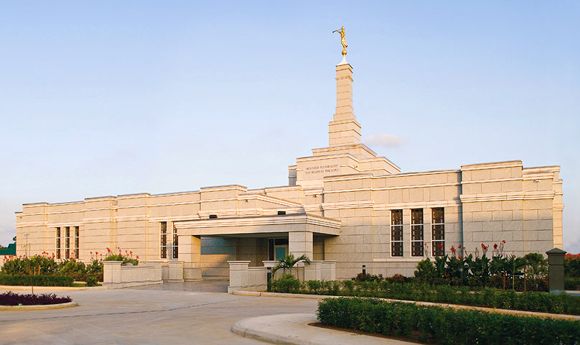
x=342, y=40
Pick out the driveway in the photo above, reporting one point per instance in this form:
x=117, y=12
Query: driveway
x=168, y=314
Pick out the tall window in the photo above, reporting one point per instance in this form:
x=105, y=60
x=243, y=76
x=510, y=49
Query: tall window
x=163, y=240
x=175, y=243
x=67, y=242
x=438, y=226
x=397, y=232
x=77, y=250
x=58, y=243
x=417, y=232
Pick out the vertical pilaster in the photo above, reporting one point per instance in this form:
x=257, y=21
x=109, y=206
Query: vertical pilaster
x=427, y=232
x=406, y=232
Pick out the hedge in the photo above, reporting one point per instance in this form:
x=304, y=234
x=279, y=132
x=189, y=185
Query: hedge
x=436, y=325
x=488, y=297
x=39, y=280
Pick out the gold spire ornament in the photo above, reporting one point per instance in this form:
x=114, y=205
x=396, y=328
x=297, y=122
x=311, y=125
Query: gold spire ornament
x=342, y=40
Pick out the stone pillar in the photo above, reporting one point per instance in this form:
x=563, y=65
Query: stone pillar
x=175, y=271
x=111, y=272
x=344, y=129
x=556, y=270
x=300, y=243
x=190, y=254
x=238, y=275
x=190, y=249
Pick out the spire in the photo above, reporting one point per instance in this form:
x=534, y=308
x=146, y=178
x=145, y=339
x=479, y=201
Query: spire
x=344, y=128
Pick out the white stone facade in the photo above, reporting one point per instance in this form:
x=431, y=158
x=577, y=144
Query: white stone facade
x=343, y=204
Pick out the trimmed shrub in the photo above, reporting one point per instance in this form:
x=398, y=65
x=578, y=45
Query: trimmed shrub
x=74, y=269
x=11, y=298
x=488, y=297
x=92, y=280
x=287, y=284
x=39, y=280
x=438, y=325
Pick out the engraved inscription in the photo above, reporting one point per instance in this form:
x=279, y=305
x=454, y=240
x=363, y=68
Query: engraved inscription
x=321, y=169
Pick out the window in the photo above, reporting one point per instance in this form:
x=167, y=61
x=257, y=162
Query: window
x=438, y=226
x=417, y=232
x=397, y=233
x=164, y=240
x=77, y=250
x=213, y=216
x=281, y=213
x=58, y=243
x=175, y=243
x=67, y=242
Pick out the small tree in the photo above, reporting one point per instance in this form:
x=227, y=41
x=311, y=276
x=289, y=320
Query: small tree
x=289, y=262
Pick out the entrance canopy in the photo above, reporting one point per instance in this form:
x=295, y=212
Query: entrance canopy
x=300, y=229
x=267, y=225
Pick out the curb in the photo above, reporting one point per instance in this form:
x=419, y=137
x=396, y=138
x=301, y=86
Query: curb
x=38, y=307
x=421, y=303
x=261, y=336
x=296, y=329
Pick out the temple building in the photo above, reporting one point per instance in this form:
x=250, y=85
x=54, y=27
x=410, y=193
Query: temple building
x=343, y=203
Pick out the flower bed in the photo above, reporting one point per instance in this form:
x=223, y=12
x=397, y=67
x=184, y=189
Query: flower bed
x=488, y=297
x=436, y=325
x=12, y=299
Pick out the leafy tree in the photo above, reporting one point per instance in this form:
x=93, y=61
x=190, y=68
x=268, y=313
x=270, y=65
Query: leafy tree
x=289, y=262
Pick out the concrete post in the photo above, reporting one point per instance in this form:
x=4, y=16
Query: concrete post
x=238, y=275
x=111, y=272
x=556, y=270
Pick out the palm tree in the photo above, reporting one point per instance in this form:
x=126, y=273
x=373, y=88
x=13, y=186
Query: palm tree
x=289, y=262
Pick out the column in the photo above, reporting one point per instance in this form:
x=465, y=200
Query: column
x=300, y=243
x=190, y=254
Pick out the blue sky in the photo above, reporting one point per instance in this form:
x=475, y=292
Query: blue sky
x=115, y=97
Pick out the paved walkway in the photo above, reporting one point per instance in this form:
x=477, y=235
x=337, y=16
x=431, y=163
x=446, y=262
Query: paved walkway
x=294, y=329
x=147, y=315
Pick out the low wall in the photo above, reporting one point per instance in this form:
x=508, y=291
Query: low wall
x=117, y=276
x=320, y=270
x=243, y=277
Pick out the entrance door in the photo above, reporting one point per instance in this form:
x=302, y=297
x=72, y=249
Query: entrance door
x=280, y=252
x=277, y=248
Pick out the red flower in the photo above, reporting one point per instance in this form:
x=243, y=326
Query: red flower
x=108, y=250
x=495, y=246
